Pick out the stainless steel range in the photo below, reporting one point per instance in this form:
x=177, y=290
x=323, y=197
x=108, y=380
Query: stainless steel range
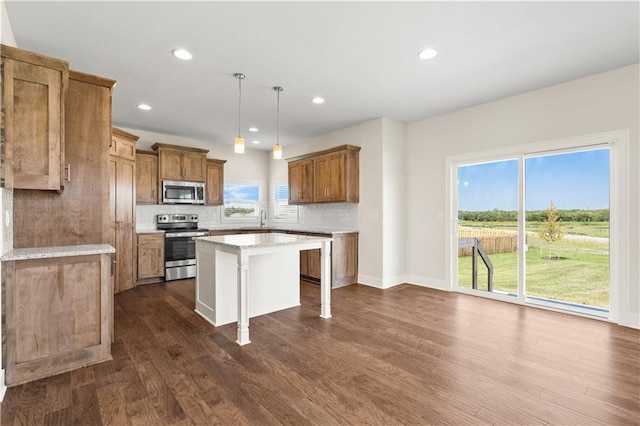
x=179, y=244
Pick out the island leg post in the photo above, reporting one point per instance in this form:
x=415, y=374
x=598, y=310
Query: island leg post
x=243, y=299
x=325, y=280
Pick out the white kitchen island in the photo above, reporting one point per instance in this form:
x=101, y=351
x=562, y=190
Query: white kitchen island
x=246, y=275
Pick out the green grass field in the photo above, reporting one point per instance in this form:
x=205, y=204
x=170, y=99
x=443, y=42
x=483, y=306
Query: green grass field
x=591, y=229
x=580, y=275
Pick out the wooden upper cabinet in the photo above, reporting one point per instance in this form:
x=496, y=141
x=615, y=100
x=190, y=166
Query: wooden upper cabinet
x=123, y=144
x=146, y=177
x=214, y=185
x=194, y=166
x=301, y=182
x=33, y=101
x=181, y=163
x=170, y=164
x=332, y=176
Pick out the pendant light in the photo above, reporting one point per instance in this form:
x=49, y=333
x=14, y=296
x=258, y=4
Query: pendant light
x=277, y=148
x=238, y=143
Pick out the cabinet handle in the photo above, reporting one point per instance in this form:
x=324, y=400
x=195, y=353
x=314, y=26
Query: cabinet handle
x=153, y=194
x=68, y=173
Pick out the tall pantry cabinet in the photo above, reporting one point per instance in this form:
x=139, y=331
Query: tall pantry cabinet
x=122, y=203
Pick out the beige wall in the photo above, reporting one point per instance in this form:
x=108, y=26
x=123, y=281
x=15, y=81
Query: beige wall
x=596, y=104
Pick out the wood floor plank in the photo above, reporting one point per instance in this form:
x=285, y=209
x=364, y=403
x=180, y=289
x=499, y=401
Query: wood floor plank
x=405, y=355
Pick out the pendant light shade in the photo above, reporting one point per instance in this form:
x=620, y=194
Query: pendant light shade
x=238, y=143
x=277, y=152
x=277, y=148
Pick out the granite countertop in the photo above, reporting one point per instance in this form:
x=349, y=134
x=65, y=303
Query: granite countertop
x=264, y=228
x=247, y=241
x=317, y=230
x=56, y=251
x=287, y=229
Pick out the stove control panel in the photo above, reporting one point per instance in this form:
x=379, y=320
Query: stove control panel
x=177, y=218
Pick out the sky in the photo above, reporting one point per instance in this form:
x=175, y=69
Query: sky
x=241, y=192
x=578, y=180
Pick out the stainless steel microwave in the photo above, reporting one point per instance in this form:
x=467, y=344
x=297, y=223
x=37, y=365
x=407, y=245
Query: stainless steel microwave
x=180, y=192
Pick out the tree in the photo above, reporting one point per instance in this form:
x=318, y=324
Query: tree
x=550, y=229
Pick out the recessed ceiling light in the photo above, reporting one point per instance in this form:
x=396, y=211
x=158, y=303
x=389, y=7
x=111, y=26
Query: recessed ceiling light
x=253, y=129
x=427, y=53
x=144, y=107
x=317, y=100
x=256, y=142
x=181, y=54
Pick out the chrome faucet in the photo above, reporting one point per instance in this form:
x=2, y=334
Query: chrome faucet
x=263, y=218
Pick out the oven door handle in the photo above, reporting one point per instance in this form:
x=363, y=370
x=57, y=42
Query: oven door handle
x=185, y=234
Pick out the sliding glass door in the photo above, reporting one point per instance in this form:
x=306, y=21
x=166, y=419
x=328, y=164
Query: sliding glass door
x=487, y=235
x=567, y=223
x=535, y=228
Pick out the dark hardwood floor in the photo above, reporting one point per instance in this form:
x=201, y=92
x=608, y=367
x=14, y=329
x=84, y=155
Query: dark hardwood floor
x=407, y=355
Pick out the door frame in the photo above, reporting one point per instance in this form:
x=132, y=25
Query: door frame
x=617, y=142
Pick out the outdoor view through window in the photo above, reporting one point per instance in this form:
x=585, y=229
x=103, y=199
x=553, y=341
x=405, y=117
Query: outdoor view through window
x=241, y=200
x=566, y=212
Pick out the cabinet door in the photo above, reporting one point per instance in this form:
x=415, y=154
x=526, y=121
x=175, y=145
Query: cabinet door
x=337, y=188
x=301, y=182
x=146, y=179
x=57, y=315
x=313, y=264
x=150, y=255
x=122, y=217
x=125, y=200
x=194, y=166
x=113, y=185
x=304, y=262
x=33, y=105
x=123, y=148
x=125, y=237
x=321, y=178
x=215, y=183
x=170, y=163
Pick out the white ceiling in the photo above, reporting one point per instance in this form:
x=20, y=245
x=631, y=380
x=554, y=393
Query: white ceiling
x=361, y=57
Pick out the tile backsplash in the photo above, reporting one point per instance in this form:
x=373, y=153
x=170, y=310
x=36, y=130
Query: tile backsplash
x=316, y=216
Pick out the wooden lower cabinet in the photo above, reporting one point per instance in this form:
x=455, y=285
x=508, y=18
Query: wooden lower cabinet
x=58, y=314
x=150, y=257
x=344, y=255
x=344, y=259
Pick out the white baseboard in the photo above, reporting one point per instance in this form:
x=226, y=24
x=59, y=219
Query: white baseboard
x=632, y=321
x=427, y=282
x=370, y=281
x=3, y=388
x=408, y=279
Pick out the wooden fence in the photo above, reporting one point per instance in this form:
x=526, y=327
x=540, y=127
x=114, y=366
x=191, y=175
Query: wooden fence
x=491, y=240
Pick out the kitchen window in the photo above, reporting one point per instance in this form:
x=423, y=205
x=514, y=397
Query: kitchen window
x=241, y=201
x=282, y=211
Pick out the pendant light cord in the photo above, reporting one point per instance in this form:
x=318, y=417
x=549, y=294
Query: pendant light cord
x=239, y=101
x=278, y=119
